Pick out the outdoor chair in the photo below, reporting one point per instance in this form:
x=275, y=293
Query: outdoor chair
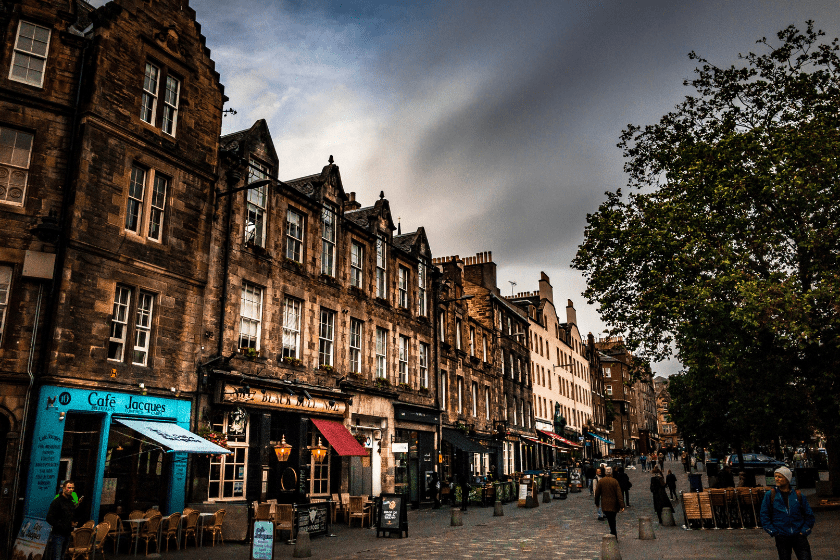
x=358, y=510
x=745, y=501
x=216, y=527
x=718, y=498
x=338, y=508
x=191, y=526
x=100, y=534
x=345, y=506
x=173, y=523
x=149, y=531
x=80, y=543
x=262, y=512
x=706, y=513
x=284, y=519
x=135, y=527
x=691, y=509
x=89, y=524
x=115, y=530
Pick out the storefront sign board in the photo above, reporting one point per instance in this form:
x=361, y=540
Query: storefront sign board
x=262, y=541
x=32, y=538
x=312, y=518
x=231, y=393
x=393, y=515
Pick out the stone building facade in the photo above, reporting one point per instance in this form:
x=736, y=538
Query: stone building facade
x=617, y=368
x=649, y=437
x=670, y=437
x=109, y=120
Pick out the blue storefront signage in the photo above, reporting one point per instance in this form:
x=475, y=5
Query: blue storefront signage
x=48, y=437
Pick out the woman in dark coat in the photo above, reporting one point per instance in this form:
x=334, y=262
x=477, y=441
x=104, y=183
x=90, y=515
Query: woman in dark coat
x=660, y=497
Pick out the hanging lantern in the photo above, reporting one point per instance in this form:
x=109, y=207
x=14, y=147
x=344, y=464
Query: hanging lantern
x=319, y=451
x=282, y=450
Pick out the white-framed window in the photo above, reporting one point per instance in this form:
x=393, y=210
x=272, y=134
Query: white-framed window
x=319, y=473
x=143, y=328
x=403, y=287
x=444, y=385
x=522, y=412
x=157, y=207
x=381, y=269
x=423, y=350
x=472, y=342
x=442, y=326
x=487, y=403
x=32, y=44
x=357, y=254
x=474, y=397
x=291, y=327
x=607, y=373
x=15, y=155
x=356, y=334
x=457, y=334
x=294, y=236
x=139, y=205
x=381, y=352
x=421, y=290
x=512, y=370
x=170, y=105
x=326, y=336
x=515, y=415
x=403, y=359
x=228, y=480
x=5, y=290
x=119, y=324
x=328, y=236
x=460, y=395
x=136, y=193
x=250, y=313
x=506, y=407
x=608, y=388
x=148, y=102
x=484, y=347
x=255, y=216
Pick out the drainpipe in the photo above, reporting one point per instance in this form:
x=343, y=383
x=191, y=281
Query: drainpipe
x=436, y=274
x=233, y=177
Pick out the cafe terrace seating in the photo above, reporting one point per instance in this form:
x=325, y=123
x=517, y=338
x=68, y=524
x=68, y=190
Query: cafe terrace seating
x=80, y=541
x=191, y=525
x=216, y=527
x=723, y=508
x=149, y=530
x=173, y=523
x=284, y=519
x=359, y=510
x=115, y=529
x=100, y=534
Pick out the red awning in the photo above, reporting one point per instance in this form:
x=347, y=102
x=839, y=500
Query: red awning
x=561, y=439
x=534, y=440
x=340, y=438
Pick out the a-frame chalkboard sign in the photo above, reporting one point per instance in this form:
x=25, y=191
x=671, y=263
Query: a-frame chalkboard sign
x=392, y=515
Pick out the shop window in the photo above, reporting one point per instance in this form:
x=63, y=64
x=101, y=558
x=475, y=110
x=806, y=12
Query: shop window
x=403, y=359
x=424, y=364
x=357, y=253
x=294, y=236
x=228, y=472
x=138, y=204
x=256, y=205
x=15, y=155
x=326, y=335
x=356, y=336
x=5, y=290
x=328, y=237
x=402, y=287
x=250, y=313
x=381, y=269
x=319, y=473
x=291, y=327
x=30, y=54
x=381, y=352
x=122, y=327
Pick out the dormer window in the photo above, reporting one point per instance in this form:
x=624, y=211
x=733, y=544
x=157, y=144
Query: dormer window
x=328, y=240
x=381, y=269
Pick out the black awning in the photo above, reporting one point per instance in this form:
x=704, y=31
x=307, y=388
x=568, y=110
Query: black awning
x=457, y=439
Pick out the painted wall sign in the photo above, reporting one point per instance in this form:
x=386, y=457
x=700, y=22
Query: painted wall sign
x=231, y=393
x=48, y=436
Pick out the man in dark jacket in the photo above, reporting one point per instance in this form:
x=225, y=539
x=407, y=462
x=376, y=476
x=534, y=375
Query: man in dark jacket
x=786, y=515
x=61, y=517
x=624, y=483
x=608, y=497
x=725, y=478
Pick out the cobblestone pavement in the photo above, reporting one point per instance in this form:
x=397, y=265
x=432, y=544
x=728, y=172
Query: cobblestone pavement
x=564, y=529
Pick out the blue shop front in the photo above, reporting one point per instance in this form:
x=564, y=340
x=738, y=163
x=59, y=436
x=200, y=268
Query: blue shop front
x=124, y=451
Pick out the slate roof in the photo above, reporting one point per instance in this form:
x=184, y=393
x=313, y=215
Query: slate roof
x=361, y=215
x=406, y=241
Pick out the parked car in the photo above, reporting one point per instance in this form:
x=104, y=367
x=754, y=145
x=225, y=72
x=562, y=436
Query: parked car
x=753, y=461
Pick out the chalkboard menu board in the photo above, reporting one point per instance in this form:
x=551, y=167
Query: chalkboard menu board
x=312, y=518
x=262, y=541
x=560, y=482
x=392, y=515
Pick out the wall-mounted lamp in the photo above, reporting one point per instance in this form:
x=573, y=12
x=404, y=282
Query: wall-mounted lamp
x=318, y=451
x=61, y=416
x=143, y=389
x=307, y=395
x=282, y=450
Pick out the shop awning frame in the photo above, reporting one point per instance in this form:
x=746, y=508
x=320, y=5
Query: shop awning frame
x=173, y=437
x=559, y=438
x=540, y=442
x=340, y=438
x=462, y=442
x=605, y=440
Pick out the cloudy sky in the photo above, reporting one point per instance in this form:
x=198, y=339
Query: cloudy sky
x=492, y=124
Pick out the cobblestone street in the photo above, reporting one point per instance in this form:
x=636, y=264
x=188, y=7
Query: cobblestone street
x=565, y=529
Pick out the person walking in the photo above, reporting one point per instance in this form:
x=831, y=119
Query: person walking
x=671, y=483
x=624, y=483
x=608, y=498
x=643, y=461
x=657, y=489
x=589, y=473
x=61, y=517
x=787, y=516
x=661, y=458
x=598, y=477
x=684, y=460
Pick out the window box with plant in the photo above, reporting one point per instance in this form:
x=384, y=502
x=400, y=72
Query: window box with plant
x=382, y=383
x=293, y=264
x=357, y=292
x=292, y=361
x=214, y=437
x=424, y=390
x=404, y=386
x=462, y=427
x=382, y=301
x=250, y=353
x=326, y=368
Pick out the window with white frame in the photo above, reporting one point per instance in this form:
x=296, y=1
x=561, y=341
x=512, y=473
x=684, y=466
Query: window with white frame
x=403, y=359
x=442, y=326
x=423, y=349
x=357, y=253
x=472, y=342
x=506, y=407
x=484, y=347
x=143, y=328
x=227, y=480
x=356, y=333
x=487, y=403
x=515, y=417
x=29, y=60
x=460, y=395
x=607, y=372
x=250, y=316
x=512, y=370
x=255, y=205
x=167, y=113
x=522, y=412
x=474, y=396
x=326, y=336
x=457, y=334
x=170, y=105
x=328, y=237
x=148, y=101
x=15, y=154
x=444, y=385
x=119, y=324
x=421, y=290
x=381, y=269
x=291, y=327
x=294, y=236
x=122, y=328
x=402, y=288
x=139, y=205
x=608, y=389
x=381, y=352
x=5, y=290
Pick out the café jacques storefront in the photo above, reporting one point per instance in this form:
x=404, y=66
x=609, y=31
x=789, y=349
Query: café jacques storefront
x=124, y=451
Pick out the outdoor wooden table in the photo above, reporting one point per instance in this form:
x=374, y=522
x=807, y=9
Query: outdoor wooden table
x=139, y=523
x=201, y=518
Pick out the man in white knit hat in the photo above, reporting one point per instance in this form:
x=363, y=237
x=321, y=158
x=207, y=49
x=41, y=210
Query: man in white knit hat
x=786, y=515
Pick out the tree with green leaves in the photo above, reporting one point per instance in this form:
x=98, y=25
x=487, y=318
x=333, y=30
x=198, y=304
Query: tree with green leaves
x=725, y=250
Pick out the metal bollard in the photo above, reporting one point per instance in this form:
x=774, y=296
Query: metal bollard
x=303, y=547
x=546, y=496
x=457, y=518
x=646, y=529
x=668, y=517
x=609, y=548
x=498, y=510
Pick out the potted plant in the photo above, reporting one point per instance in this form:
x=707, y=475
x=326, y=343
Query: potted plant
x=217, y=438
x=326, y=368
x=382, y=383
x=424, y=390
x=405, y=386
x=250, y=353
x=292, y=361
